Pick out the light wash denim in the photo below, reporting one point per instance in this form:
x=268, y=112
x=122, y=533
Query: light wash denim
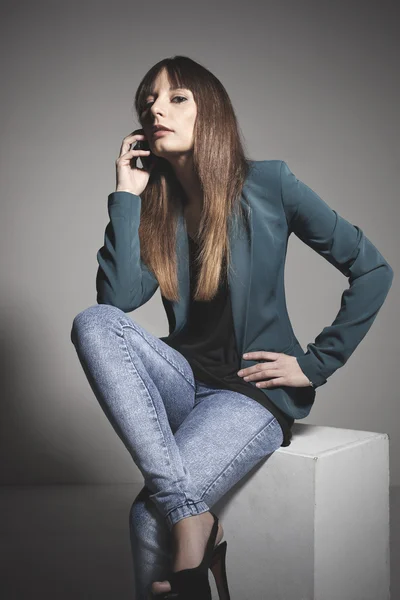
x=191, y=442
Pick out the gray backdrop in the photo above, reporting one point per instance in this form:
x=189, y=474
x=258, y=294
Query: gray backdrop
x=313, y=83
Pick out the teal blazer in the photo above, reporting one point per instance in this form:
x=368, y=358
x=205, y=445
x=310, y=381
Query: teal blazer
x=277, y=204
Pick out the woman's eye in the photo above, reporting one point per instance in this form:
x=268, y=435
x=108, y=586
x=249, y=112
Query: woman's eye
x=174, y=98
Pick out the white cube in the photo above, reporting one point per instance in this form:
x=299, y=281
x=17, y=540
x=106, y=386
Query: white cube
x=311, y=521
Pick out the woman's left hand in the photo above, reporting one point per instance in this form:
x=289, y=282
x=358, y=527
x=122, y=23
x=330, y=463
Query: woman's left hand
x=282, y=370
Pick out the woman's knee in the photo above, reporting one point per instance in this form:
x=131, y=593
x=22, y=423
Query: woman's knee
x=93, y=317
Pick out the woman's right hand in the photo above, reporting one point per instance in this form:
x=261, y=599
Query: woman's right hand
x=131, y=178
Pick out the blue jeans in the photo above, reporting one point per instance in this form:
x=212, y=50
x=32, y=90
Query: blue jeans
x=190, y=441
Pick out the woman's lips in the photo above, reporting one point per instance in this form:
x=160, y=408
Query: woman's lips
x=161, y=132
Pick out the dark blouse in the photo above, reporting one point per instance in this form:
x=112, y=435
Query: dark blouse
x=208, y=344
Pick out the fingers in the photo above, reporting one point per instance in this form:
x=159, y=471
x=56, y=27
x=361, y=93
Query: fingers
x=129, y=139
x=132, y=154
x=263, y=375
x=257, y=370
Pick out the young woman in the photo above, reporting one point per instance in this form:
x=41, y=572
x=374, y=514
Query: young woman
x=199, y=408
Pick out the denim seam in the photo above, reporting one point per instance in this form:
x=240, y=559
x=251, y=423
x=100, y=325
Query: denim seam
x=171, y=463
x=158, y=352
x=273, y=421
x=188, y=503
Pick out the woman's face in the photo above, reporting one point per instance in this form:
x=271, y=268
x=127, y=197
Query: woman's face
x=175, y=109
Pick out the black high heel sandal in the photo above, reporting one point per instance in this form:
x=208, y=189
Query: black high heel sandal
x=218, y=569
x=193, y=584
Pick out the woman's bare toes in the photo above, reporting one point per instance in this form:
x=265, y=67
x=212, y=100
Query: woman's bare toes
x=159, y=587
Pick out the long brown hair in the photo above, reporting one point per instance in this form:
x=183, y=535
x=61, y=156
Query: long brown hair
x=221, y=166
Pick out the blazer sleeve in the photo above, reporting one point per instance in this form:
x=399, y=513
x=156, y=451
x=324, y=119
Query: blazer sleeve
x=347, y=248
x=123, y=279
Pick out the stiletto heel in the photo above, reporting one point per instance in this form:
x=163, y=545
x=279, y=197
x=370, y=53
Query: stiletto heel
x=218, y=569
x=193, y=584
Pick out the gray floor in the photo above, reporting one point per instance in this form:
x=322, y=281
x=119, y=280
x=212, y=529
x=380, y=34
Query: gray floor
x=72, y=542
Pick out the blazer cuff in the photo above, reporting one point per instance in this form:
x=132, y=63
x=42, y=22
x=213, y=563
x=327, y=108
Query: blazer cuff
x=311, y=369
